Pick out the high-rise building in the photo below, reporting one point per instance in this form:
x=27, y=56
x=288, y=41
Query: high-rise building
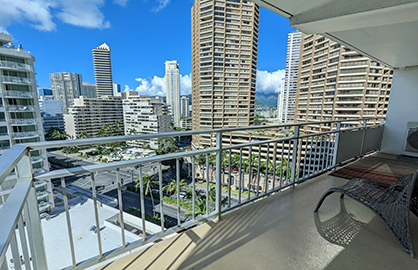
x=20, y=118
x=336, y=83
x=172, y=86
x=287, y=96
x=66, y=87
x=184, y=107
x=52, y=114
x=116, y=88
x=45, y=93
x=88, y=90
x=224, y=64
x=91, y=114
x=144, y=115
x=103, y=70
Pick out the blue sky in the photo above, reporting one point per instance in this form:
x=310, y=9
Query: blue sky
x=142, y=34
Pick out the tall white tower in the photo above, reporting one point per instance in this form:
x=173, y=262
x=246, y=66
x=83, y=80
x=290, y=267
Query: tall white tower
x=172, y=86
x=287, y=96
x=103, y=70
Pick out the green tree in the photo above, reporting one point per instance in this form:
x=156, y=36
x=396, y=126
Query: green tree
x=172, y=186
x=59, y=135
x=83, y=135
x=200, y=208
x=147, y=181
x=132, y=131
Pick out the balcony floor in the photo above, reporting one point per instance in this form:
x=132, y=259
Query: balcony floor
x=280, y=232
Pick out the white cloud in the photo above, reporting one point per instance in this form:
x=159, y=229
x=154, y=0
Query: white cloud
x=121, y=2
x=37, y=12
x=269, y=82
x=161, y=4
x=84, y=13
x=156, y=86
x=41, y=13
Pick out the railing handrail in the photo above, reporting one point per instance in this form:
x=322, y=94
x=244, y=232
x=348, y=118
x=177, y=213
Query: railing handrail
x=160, y=158
x=113, y=139
x=10, y=159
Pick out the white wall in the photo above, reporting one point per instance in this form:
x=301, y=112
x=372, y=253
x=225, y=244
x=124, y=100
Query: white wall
x=402, y=108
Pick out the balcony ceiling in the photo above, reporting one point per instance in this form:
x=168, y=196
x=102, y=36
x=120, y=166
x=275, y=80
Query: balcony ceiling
x=385, y=30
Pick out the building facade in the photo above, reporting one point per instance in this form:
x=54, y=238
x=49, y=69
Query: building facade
x=20, y=117
x=184, y=107
x=172, y=86
x=287, y=97
x=144, y=115
x=66, y=87
x=91, y=114
x=224, y=64
x=46, y=93
x=337, y=83
x=88, y=90
x=103, y=70
x=116, y=88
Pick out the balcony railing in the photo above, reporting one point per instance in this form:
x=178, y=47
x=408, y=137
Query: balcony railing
x=18, y=135
x=17, y=122
x=14, y=65
x=20, y=94
x=17, y=80
x=21, y=108
x=248, y=171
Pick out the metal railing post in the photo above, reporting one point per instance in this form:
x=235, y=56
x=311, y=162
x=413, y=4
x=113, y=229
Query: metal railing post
x=218, y=173
x=337, y=140
x=294, y=154
x=363, y=138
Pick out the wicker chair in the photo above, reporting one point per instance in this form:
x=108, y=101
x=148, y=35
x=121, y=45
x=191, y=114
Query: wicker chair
x=391, y=204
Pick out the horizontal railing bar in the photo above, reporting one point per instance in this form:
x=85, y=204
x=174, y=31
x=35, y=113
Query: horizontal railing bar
x=159, y=158
x=119, y=164
x=106, y=140
x=118, y=251
x=10, y=159
x=11, y=211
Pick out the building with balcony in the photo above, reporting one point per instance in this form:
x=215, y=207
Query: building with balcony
x=337, y=83
x=91, y=114
x=286, y=101
x=103, y=70
x=66, y=87
x=184, y=107
x=224, y=64
x=145, y=115
x=20, y=117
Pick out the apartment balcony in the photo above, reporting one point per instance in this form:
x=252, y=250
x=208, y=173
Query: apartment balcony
x=21, y=108
x=251, y=205
x=17, y=80
x=23, y=122
x=15, y=66
x=20, y=94
x=25, y=135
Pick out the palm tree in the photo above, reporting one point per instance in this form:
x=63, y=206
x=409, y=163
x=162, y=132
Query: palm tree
x=132, y=131
x=83, y=135
x=200, y=208
x=59, y=135
x=147, y=181
x=172, y=186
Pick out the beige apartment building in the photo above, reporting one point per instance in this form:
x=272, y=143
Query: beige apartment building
x=91, y=114
x=337, y=83
x=224, y=64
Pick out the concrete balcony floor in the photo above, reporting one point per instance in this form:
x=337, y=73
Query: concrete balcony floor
x=281, y=232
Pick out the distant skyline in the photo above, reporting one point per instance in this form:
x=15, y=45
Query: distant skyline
x=142, y=35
